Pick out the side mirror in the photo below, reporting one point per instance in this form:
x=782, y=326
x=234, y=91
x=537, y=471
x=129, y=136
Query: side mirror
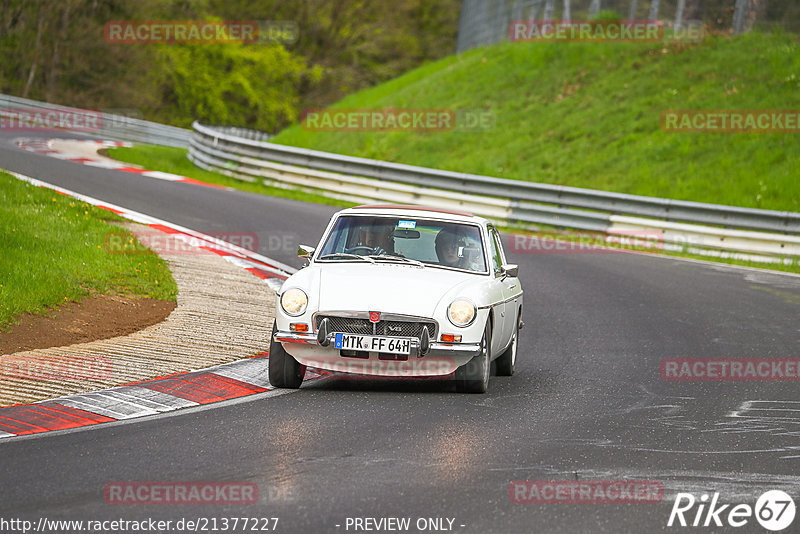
x=304, y=251
x=511, y=270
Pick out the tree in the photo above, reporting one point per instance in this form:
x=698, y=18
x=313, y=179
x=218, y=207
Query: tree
x=745, y=14
x=549, y=8
x=357, y=43
x=55, y=50
x=229, y=84
x=632, y=11
x=679, y=14
x=738, y=17
x=653, y=10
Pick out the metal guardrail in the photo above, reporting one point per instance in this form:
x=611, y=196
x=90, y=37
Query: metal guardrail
x=113, y=126
x=243, y=133
x=520, y=201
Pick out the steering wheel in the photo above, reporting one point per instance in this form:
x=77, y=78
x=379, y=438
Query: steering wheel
x=363, y=249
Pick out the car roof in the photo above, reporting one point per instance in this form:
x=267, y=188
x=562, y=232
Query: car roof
x=410, y=210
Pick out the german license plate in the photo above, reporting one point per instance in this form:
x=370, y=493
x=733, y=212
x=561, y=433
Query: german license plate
x=393, y=345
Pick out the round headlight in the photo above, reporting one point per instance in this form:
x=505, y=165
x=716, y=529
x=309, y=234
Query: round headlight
x=461, y=312
x=294, y=302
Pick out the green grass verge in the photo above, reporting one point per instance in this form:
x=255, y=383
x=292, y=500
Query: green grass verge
x=174, y=160
x=588, y=115
x=52, y=251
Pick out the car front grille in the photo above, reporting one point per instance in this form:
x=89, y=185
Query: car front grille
x=349, y=325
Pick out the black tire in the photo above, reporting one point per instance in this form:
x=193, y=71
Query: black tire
x=473, y=377
x=507, y=361
x=284, y=370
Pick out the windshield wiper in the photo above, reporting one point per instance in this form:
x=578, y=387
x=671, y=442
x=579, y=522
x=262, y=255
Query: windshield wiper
x=391, y=257
x=347, y=256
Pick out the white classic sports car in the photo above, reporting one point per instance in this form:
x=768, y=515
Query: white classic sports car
x=400, y=291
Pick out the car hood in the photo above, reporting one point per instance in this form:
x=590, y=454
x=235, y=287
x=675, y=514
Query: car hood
x=388, y=288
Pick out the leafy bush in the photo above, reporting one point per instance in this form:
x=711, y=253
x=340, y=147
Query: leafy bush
x=257, y=86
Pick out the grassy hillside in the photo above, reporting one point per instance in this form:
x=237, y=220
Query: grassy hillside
x=588, y=115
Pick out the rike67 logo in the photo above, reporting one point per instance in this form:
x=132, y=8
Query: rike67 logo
x=774, y=511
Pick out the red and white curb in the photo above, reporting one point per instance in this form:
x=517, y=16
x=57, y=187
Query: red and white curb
x=151, y=397
x=85, y=153
x=141, y=399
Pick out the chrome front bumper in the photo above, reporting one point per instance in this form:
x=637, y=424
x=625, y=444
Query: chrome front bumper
x=436, y=348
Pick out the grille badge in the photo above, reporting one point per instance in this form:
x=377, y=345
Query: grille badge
x=374, y=317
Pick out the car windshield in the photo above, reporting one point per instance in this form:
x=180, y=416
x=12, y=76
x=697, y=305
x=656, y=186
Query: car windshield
x=430, y=242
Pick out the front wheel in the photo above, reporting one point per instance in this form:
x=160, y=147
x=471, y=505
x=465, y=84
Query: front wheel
x=284, y=370
x=508, y=360
x=473, y=377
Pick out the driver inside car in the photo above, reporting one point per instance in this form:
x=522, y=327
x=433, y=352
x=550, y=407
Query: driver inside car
x=378, y=237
